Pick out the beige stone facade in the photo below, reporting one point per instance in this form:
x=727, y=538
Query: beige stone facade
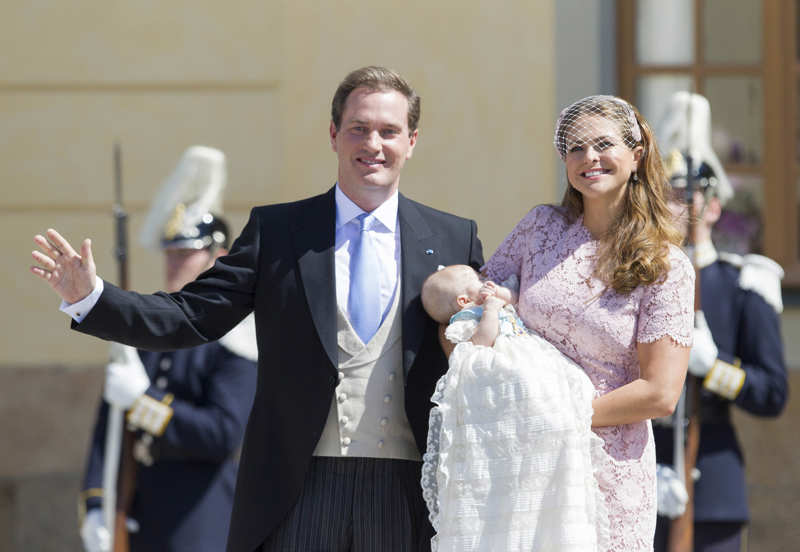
x=257, y=84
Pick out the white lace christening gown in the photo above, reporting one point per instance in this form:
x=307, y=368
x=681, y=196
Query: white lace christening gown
x=509, y=462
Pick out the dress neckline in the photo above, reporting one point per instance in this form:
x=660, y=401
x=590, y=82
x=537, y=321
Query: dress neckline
x=582, y=231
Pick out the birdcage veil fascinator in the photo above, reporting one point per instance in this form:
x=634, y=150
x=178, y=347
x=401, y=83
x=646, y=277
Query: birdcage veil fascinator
x=587, y=122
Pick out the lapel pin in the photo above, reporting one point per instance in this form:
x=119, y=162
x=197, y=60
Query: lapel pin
x=429, y=251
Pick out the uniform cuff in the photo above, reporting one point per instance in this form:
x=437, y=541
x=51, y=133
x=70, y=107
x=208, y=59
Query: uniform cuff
x=725, y=379
x=151, y=415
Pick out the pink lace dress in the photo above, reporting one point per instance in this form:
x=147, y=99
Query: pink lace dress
x=599, y=329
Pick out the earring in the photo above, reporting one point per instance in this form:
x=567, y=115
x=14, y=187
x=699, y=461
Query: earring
x=635, y=177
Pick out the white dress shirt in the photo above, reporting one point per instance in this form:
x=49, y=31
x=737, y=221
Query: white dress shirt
x=80, y=309
x=385, y=234
x=386, y=237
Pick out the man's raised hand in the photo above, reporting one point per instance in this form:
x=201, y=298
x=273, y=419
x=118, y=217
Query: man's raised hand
x=70, y=274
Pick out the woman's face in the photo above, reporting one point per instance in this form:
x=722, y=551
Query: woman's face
x=598, y=161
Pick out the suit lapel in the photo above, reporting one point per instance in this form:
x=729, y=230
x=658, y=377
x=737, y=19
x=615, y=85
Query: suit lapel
x=418, y=245
x=313, y=233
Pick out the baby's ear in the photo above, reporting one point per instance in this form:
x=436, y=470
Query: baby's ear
x=462, y=300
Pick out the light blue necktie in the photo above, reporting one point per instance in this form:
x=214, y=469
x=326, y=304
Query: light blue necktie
x=364, y=303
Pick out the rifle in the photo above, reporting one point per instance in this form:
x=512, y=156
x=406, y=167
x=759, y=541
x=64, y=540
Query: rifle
x=119, y=468
x=681, y=531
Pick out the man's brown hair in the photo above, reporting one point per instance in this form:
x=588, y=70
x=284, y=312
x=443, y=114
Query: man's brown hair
x=375, y=78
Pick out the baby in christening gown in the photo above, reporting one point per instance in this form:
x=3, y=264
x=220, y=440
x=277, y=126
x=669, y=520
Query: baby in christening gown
x=510, y=455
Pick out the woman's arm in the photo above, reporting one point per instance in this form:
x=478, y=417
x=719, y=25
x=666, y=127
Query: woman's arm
x=655, y=393
x=446, y=344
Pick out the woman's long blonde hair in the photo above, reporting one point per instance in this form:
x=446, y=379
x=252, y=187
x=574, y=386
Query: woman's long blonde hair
x=635, y=249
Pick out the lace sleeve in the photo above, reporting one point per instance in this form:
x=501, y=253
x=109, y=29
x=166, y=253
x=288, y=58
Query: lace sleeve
x=667, y=308
x=507, y=259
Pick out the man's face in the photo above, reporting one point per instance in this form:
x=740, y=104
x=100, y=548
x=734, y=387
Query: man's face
x=184, y=265
x=372, y=144
x=705, y=212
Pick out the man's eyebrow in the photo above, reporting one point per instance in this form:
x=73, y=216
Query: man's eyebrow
x=367, y=123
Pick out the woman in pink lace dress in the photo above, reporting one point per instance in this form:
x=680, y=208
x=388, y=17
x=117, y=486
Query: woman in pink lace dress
x=602, y=277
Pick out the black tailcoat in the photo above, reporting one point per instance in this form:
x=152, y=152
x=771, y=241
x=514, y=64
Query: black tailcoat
x=282, y=267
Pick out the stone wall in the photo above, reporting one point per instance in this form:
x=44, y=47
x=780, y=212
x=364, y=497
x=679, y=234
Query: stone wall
x=256, y=83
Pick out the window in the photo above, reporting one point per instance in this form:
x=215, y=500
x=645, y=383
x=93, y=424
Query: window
x=744, y=56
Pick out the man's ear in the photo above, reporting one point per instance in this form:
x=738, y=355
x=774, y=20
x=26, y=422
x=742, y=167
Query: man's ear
x=412, y=142
x=333, y=132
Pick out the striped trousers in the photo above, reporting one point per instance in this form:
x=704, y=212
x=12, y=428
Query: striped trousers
x=356, y=505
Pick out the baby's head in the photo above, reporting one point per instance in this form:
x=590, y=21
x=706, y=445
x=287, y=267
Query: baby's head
x=449, y=290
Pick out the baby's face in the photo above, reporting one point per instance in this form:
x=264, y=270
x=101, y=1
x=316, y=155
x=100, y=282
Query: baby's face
x=472, y=289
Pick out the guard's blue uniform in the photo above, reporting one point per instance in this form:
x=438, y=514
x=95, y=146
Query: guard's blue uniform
x=745, y=328
x=184, y=498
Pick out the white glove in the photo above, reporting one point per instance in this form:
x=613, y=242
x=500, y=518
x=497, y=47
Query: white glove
x=126, y=379
x=94, y=534
x=672, y=496
x=704, y=352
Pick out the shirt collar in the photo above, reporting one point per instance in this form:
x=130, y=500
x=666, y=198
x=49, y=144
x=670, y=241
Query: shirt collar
x=346, y=210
